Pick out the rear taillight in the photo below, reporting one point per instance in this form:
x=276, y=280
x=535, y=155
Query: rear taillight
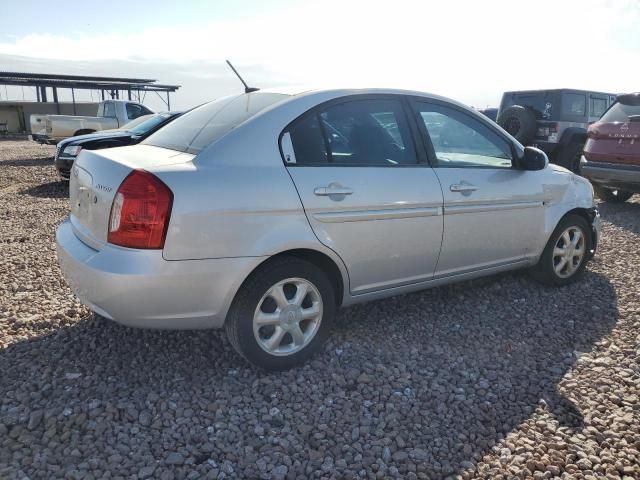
x=140, y=212
x=547, y=130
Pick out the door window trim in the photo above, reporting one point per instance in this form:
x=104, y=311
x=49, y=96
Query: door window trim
x=421, y=155
x=428, y=144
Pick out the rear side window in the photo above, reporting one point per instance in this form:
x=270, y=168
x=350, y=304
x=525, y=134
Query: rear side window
x=202, y=126
x=355, y=133
x=620, y=112
x=574, y=104
x=308, y=141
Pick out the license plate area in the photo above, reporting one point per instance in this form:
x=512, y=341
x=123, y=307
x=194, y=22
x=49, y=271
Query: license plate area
x=81, y=195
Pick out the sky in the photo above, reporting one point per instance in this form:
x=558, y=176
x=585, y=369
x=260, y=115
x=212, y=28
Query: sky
x=471, y=51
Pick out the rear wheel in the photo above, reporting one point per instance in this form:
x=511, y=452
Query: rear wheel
x=569, y=157
x=565, y=256
x=612, y=195
x=282, y=314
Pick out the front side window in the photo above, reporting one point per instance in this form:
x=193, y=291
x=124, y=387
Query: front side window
x=574, y=104
x=354, y=133
x=460, y=141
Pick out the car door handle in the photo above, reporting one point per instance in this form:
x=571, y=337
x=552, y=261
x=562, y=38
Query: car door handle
x=463, y=187
x=331, y=190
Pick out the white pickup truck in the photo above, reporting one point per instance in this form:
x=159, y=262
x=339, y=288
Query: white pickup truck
x=111, y=114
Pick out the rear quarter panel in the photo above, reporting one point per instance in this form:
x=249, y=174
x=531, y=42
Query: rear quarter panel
x=226, y=210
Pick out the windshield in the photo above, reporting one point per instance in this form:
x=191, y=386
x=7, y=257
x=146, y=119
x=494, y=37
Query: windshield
x=151, y=122
x=202, y=126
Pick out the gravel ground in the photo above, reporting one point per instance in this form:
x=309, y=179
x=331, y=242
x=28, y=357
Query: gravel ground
x=497, y=378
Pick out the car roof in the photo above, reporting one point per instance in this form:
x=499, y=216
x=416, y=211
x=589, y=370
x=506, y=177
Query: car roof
x=557, y=90
x=305, y=91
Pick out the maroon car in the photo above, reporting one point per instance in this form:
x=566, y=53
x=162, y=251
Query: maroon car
x=612, y=152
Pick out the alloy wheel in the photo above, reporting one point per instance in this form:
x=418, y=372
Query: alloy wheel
x=288, y=316
x=568, y=252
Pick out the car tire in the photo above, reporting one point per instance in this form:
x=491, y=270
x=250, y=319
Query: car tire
x=569, y=157
x=557, y=268
x=520, y=122
x=261, y=324
x=611, y=195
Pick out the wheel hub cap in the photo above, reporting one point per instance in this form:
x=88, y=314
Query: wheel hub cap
x=290, y=316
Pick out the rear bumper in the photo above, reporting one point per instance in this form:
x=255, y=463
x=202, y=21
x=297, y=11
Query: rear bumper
x=138, y=288
x=626, y=177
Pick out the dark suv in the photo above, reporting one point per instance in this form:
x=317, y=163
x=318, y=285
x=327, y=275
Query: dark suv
x=555, y=121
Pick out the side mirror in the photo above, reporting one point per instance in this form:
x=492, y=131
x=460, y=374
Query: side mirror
x=534, y=159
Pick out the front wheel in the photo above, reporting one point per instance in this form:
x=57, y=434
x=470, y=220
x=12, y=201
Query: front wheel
x=611, y=195
x=565, y=256
x=282, y=314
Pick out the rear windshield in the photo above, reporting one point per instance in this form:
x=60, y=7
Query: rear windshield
x=620, y=112
x=541, y=103
x=200, y=127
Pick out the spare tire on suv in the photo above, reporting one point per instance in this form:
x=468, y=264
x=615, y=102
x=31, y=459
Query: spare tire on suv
x=519, y=121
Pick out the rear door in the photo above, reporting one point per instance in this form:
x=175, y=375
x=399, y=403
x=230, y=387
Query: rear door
x=493, y=212
x=365, y=192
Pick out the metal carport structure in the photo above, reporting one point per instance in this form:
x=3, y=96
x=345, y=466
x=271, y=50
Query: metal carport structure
x=112, y=87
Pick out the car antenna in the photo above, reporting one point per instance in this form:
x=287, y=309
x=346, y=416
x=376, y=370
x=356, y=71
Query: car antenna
x=247, y=88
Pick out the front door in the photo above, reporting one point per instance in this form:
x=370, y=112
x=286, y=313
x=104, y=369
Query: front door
x=493, y=212
x=364, y=191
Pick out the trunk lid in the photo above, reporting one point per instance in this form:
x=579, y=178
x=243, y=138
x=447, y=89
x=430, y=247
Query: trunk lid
x=616, y=142
x=95, y=178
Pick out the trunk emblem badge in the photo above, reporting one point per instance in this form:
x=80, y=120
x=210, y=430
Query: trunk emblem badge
x=95, y=199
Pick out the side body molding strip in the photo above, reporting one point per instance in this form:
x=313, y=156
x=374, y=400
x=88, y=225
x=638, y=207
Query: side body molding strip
x=456, y=209
x=387, y=214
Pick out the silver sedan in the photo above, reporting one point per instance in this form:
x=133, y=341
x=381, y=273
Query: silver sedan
x=264, y=212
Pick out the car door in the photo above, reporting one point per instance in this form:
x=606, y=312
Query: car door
x=493, y=211
x=365, y=191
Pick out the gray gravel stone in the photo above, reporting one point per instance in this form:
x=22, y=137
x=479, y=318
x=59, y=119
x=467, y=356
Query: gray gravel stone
x=174, y=458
